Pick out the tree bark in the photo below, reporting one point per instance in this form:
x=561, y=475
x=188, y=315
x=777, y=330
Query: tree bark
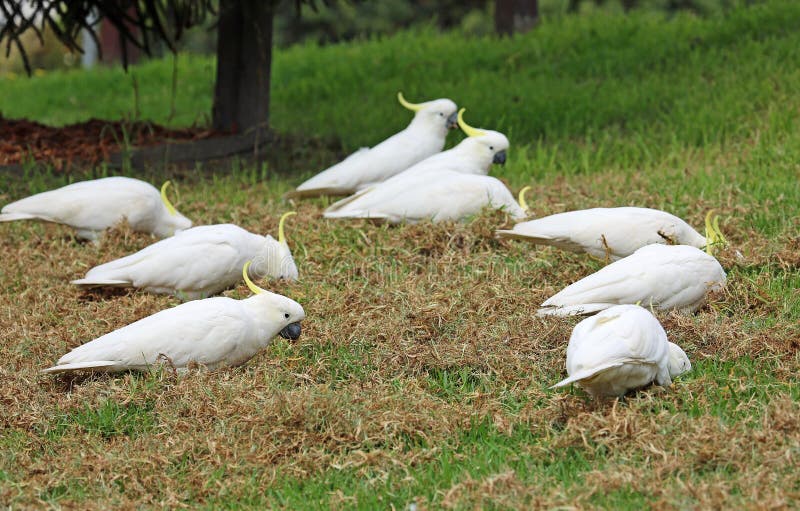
x=114, y=48
x=244, y=57
x=515, y=15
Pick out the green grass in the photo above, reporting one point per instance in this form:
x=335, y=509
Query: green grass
x=421, y=375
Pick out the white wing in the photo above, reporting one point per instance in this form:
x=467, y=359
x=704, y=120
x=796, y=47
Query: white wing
x=620, y=231
x=621, y=336
x=91, y=205
x=212, y=332
x=201, y=260
x=338, y=179
x=438, y=195
x=663, y=276
x=366, y=166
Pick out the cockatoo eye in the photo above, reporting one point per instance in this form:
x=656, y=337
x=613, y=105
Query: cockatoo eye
x=491, y=148
x=441, y=114
x=286, y=315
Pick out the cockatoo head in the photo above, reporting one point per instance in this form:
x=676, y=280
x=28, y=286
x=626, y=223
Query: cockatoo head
x=275, y=259
x=485, y=146
x=170, y=220
x=276, y=314
x=678, y=361
x=438, y=115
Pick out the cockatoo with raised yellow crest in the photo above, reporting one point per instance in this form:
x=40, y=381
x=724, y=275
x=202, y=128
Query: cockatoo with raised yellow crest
x=622, y=349
x=659, y=276
x=423, y=137
x=215, y=332
x=93, y=206
x=613, y=233
x=198, y=262
x=447, y=186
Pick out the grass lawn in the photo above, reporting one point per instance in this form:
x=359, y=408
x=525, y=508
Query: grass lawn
x=422, y=375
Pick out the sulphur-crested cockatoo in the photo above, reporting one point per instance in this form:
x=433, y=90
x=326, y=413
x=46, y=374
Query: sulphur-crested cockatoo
x=447, y=186
x=622, y=349
x=423, y=137
x=444, y=195
x=613, y=233
x=198, y=262
x=93, y=206
x=660, y=276
x=473, y=155
x=215, y=332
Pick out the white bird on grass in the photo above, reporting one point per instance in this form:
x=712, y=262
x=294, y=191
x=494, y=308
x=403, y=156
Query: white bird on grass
x=215, y=332
x=619, y=350
x=93, y=206
x=198, y=262
x=423, y=137
x=448, y=186
x=662, y=276
x=613, y=233
x=447, y=195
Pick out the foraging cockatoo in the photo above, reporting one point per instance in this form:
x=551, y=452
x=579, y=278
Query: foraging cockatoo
x=423, y=137
x=447, y=186
x=662, y=276
x=93, y=206
x=441, y=196
x=215, y=332
x=613, y=233
x=622, y=349
x=198, y=262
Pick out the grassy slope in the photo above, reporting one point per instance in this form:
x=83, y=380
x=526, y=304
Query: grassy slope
x=421, y=375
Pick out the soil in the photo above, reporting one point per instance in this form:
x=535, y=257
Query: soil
x=85, y=143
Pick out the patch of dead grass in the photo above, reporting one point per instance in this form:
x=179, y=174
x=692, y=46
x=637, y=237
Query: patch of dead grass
x=391, y=312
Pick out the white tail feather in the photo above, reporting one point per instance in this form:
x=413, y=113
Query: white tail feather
x=10, y=217
x=583, y=309
x=96, y=365
x=355, y=214
x=586, y=373
x=516, y=235
x=90, y=283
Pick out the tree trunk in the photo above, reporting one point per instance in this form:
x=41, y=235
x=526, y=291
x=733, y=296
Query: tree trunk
x=515, y=15
x=244, y=56
x=114, y=48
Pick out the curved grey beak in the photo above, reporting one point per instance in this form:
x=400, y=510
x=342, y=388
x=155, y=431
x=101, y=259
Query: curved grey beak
x=292, y=331
x=499, y=158
x=452, y=121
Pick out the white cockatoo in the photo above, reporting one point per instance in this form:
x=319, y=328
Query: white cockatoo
x=198, y=262
x=93, y=206
x=622, y=349
x=423, y=137
x=445, y=195
x=215, y=332
x=447, y=186
x=660, y=276
x=613, y=233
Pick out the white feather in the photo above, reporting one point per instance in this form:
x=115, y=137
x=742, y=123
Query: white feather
x=621, y=349
x=424, y=136
x=438, y=196
x=447, y=186
x=661, y=276
x=93, y=206
x=616, y=231
x=214, y=332
x=196, y=263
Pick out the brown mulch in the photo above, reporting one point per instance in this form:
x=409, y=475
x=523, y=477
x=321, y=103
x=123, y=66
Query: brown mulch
x=85, y=143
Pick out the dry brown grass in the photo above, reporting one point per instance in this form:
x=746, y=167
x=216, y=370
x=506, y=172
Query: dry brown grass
x=392, y=314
